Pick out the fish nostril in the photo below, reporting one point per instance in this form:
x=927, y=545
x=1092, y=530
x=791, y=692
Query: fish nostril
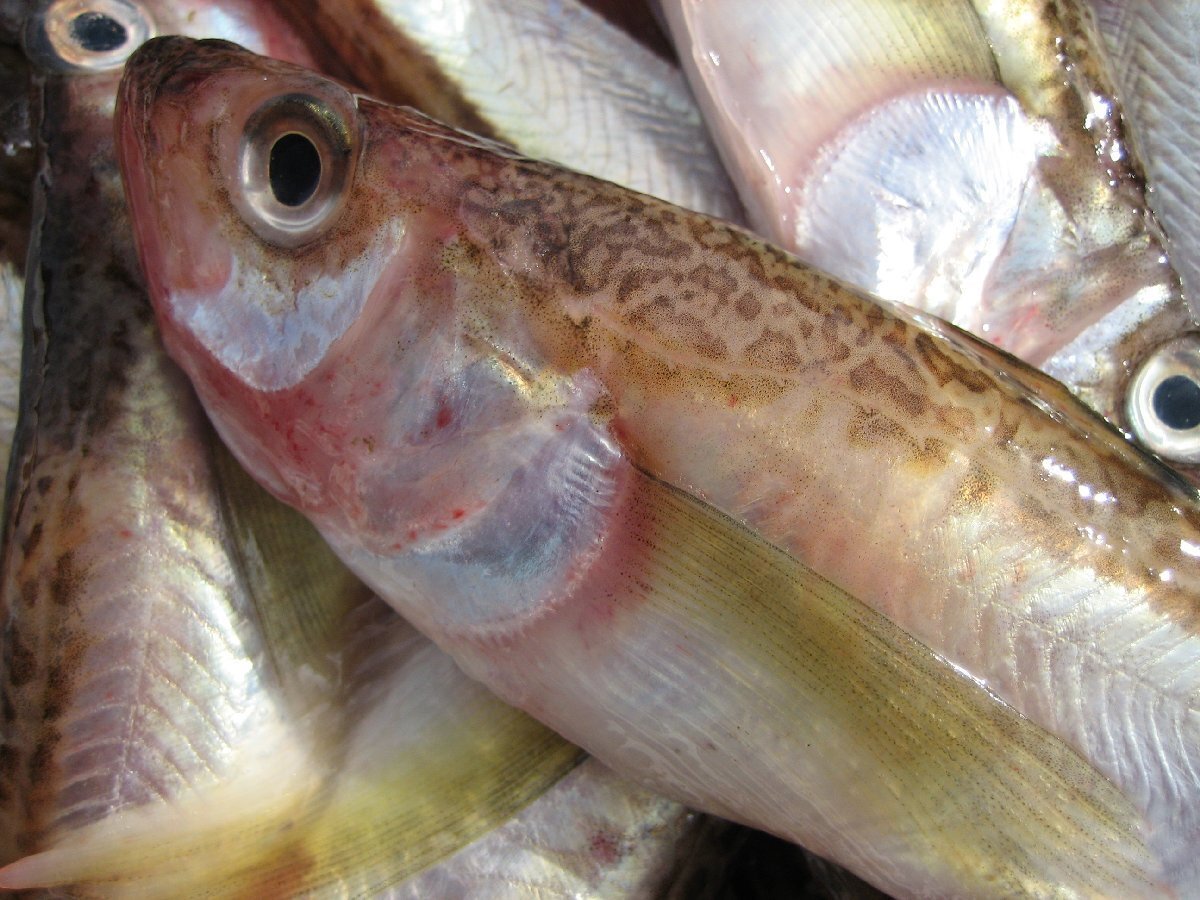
x=97, y=32
x=294, y=169
x=1177, y=402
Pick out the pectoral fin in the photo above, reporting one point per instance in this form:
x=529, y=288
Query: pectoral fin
x=775, y=697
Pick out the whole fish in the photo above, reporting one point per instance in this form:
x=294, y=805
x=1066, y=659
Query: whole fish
x=557, y=81
x=965, y=157
x=792, y=556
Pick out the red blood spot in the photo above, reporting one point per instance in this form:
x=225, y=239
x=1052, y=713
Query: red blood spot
x=733, y=400
x=444, y=416
x=606, y=847
x=412, y=534
x=125, y=533
x=458, y=513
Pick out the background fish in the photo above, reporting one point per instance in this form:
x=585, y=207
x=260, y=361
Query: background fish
x=964, y=158
x=128, y=647
x=566, y=362
x=16, y=176
x=1150, y=59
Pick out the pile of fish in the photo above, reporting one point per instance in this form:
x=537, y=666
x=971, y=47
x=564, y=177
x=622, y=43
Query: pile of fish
x=423, y=484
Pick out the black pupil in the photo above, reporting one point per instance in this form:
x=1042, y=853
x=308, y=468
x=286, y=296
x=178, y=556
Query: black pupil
x=98, y=33
x=1177, y=403
x=294, y=169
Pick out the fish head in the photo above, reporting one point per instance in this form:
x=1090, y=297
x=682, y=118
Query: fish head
x=270, y=238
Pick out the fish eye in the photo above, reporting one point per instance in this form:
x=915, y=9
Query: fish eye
x=1163, y=401
x=86, y=35
x=296, y=157
x=294, y=169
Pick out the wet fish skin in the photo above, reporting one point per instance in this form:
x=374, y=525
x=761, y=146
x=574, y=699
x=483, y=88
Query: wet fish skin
x=16, y=176
x=962, y=157
x=549, y=340
x=1150, y=55
x=113, y=547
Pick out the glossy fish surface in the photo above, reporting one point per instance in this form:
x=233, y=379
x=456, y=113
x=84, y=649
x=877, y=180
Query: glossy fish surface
x=1152, y=59
x=125, y=631
x=966, y=158
x=699, y=508
x=16, y=177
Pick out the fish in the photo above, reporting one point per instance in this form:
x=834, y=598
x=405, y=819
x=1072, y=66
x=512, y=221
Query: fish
x=558, y=81
x=124, y=629
x=1148, y=59
x=970, y=159
x=805, y=560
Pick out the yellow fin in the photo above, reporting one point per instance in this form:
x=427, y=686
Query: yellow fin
x=904, y=754
x=429, y=769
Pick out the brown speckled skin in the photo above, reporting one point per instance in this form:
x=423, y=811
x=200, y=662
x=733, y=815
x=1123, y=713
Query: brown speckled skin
x=941, y=482
x=117, y=603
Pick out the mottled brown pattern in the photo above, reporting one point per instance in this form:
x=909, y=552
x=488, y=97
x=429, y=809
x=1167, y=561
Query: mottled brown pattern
x=946, y=369
x=20, y=661
x=748, y=307
x=31, y=541
x=976, y=488
x=66, y=580
x=868, y=377
x=88, y=329
x=776, y=350
x=739, y=319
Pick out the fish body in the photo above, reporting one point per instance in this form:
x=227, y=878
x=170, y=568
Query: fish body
x=16, y=176
x=965, y=158
x=124, y=626
x=793, y=556
x=1151, y=59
